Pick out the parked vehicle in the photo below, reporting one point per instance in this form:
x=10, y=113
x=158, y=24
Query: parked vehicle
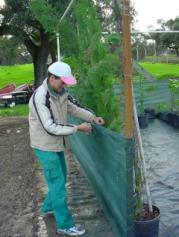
x=7, y=89
x=16, y=95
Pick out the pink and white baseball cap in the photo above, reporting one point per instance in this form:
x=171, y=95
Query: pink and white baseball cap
x=62, y=70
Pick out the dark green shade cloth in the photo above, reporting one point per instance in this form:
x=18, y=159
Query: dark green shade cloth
x=107, y=159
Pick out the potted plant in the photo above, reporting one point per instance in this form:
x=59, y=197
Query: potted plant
x=173, y=116
x=142, y=116
x=162, y=113
x=150, y=111
x=147, y=216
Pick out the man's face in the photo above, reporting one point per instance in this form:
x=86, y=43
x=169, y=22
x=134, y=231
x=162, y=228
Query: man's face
x=56, y=84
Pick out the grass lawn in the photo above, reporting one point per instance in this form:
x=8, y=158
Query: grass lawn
x=18, y=74
x=18, y=110
x=161, y=70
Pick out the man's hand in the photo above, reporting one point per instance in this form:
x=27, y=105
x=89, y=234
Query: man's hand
x=99, y=120
x=84, y=127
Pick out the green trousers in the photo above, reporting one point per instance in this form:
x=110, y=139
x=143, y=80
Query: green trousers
x=55, y=172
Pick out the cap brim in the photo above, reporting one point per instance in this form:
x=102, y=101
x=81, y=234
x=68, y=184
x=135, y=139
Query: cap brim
x=69, y=80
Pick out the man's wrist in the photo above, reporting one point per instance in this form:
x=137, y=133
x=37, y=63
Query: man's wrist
x=94, y=120
x=75, y=128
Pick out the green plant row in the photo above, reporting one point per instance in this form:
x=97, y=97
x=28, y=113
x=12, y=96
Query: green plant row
x=161, y=70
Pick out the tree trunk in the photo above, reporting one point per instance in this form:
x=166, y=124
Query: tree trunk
x=39, y=56
x=40, y=60
x=177, y=52
x=40, y=69
x=53, y=49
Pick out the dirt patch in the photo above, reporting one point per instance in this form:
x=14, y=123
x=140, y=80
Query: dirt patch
x=17, y=179
x=22, y=190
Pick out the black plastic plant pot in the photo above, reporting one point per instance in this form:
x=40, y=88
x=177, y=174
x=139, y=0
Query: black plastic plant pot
x=143, y=121
x=158, y=115
x=175, y=121
x=164, y=116
x=148, y=228
x=171, y=118
x=150, y=113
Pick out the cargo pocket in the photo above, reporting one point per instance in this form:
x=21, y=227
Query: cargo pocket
x=50, y=163
x=52, y=174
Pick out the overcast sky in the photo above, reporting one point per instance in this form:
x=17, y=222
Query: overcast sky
x=149, y=11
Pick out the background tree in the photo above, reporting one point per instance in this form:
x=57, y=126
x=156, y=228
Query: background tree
x=97, y=68
x=105, y=10
x=168, y=40
x=13, y=52
x=139, y=46
x=83, y=46
x=18, y=18
x=35, y=22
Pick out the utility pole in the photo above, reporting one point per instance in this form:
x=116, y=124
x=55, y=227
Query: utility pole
x=58, y=26
x=58, y=47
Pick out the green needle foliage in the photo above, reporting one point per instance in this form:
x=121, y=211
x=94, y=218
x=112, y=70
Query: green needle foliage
x=46, y=14
x=97, y=73
x=85, y=49
x=139, y=185
x=174, y=88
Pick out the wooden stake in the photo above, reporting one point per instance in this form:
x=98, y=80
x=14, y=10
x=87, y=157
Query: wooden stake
x=126, y=24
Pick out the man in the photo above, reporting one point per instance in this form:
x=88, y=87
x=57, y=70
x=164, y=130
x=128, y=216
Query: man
x=49, y=107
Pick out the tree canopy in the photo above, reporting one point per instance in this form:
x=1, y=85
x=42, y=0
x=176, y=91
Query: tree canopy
x=19, y=18
x=95, y=61
x=168, y=40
